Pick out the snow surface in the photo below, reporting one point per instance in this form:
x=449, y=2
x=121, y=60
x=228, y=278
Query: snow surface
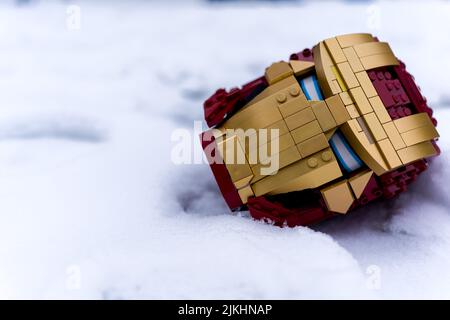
x=91, y=205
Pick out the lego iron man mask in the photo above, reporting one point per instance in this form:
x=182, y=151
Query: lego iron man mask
x=319, y=135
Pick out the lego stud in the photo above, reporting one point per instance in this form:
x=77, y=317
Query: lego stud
x=294, y=91
x=312, y=162
x=326, y=156
x=281, y=97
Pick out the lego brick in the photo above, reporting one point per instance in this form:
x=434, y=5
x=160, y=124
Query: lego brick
x=336, y=86
x=273, y=89
x=234, y=158
x=351, y=109
x=359, y=181
x=306, y=131
x=412, y=122
x=340, y=81
x=347, y=74
x=312, y=145
x=389, y=153
x=325, y=76
x=282, y=143
x=419, y=135
x=380, y=110
x=245, y=193
x=300, y=118
x=366, y=84
x=379, y=60
x=307, y=173
x=285, y=158
x=368, y=152
x=372, y=48
x=354, y=124
x=258, y=115
x=354, y=39
x=323, y=115
x=337, y=109
x=353, y=59
x=301, y=67
x=345, y=97
x=375, y=126
x=338, y=197
x=416, y=152
x=394, y=136
x=335, y=50
x=278, y=71
x=294, y=105
x=362, y=104
x=243, y=182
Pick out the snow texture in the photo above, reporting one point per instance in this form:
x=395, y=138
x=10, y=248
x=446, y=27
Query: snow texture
x=91, y=205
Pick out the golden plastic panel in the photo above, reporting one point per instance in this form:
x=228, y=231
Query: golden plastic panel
x=415, y=152
x=375, y=126
x=245, y=193
x=282, y=86
x=307, y=173
x=243, y=182
x=293, y=105
x=380, y=109
x=337, y=55
x=346, y=99
x=362, y=104
x=394, y=136
x=278, y=71
x=234, y=158
x=412, y=122
x=338, y=197
x=379, y=60
x=420, y=134
x=359, y=181
x=325, y=75
x=352, y=39
x=323, y=115
x=353, y=59
x=347, y=75
x=312, y=145
x=366, y=84
x=351, y=109
x=300, y=118
x=307, y=131
x=372, y=48
x=368, y=152
x=337, y=109
x=389, y=154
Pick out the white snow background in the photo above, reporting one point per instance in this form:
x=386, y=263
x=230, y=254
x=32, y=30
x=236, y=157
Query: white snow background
x=91, y=205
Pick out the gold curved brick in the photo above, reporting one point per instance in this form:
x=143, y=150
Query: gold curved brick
x=375, y=127
x=359, y=181
x=361, y=101
x=372, y=48
x=412, y=122
x=394, y=135
x=353, y=59
x=325, y=76
x=419, y=135
x=348, y=40
x=345, y=97
x=380, y=109
x=416, y=152
x=338, y=197
x=306, y=131
x=300, y=118
x=368, y=152
x=336, y=53
x=379, y=60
